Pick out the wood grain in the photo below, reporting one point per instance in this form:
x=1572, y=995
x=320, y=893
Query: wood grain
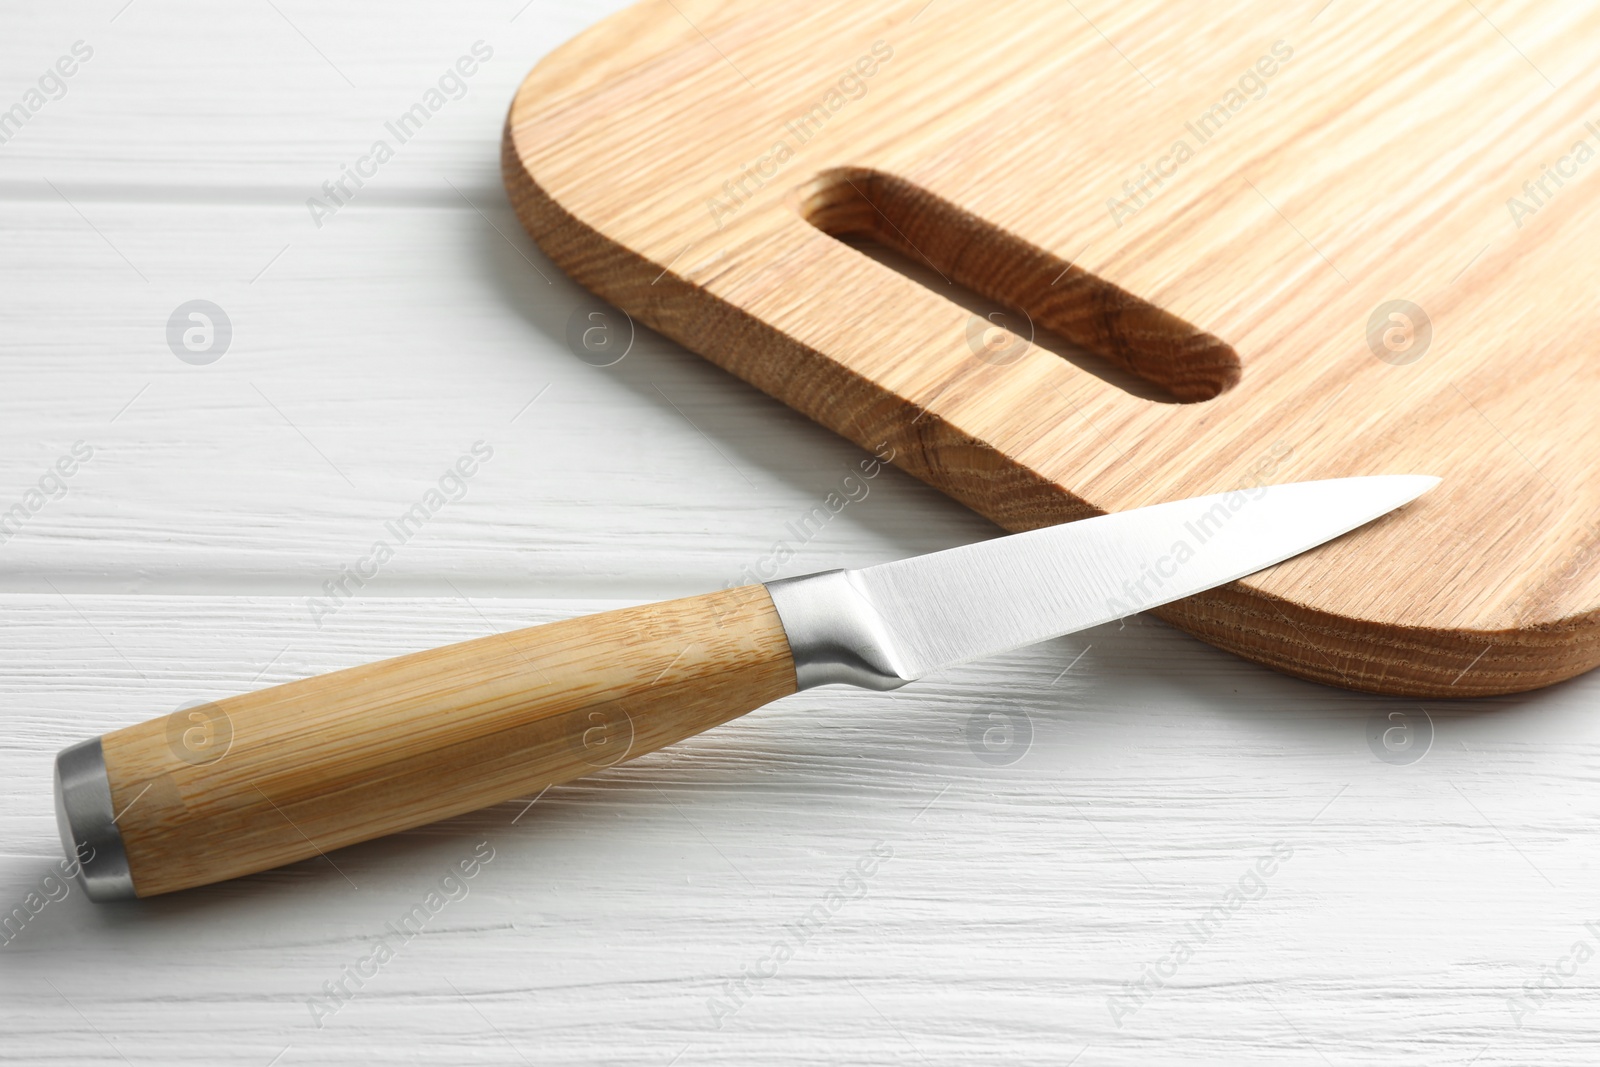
x=1011, y=149
x=251, y=782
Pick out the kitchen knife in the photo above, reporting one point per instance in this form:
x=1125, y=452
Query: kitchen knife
x=254, y=781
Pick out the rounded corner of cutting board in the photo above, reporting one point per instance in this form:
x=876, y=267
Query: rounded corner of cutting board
x=574, y=63
x=584, y=61
x=558, y=79
x=1388, y=658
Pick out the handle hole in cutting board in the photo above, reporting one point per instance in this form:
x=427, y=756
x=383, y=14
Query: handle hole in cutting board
x=1000, y=316
x=1086, y=320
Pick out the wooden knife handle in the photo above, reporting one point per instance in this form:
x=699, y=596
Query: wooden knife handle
x=254, y=781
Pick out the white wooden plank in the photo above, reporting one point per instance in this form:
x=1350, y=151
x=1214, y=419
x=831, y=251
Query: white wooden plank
x=364, y=363
x=1417, y=900
x=268, y=100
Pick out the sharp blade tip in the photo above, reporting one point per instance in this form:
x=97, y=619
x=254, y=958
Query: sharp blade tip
x=1414, y=485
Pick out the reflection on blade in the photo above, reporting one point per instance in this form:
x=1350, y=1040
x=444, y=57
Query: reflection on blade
x=950, y=607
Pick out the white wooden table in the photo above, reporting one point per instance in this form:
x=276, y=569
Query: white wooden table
x=980, y=869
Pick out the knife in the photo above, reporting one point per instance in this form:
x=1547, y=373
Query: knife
x=255, y=781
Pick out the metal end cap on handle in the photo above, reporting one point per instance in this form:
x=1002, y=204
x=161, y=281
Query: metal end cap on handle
x=88, y=823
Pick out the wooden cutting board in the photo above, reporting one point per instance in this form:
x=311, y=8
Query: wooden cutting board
x=1072, y=257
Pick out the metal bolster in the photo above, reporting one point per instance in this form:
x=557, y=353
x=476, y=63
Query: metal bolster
x=835, y=634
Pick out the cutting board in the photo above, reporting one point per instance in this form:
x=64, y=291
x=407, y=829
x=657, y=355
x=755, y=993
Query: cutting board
x=1063, y=258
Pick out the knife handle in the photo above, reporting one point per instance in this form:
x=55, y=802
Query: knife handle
x=254, y=781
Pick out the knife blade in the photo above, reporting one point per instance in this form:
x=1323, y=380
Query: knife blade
x=881, y=627
x=291, y=772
